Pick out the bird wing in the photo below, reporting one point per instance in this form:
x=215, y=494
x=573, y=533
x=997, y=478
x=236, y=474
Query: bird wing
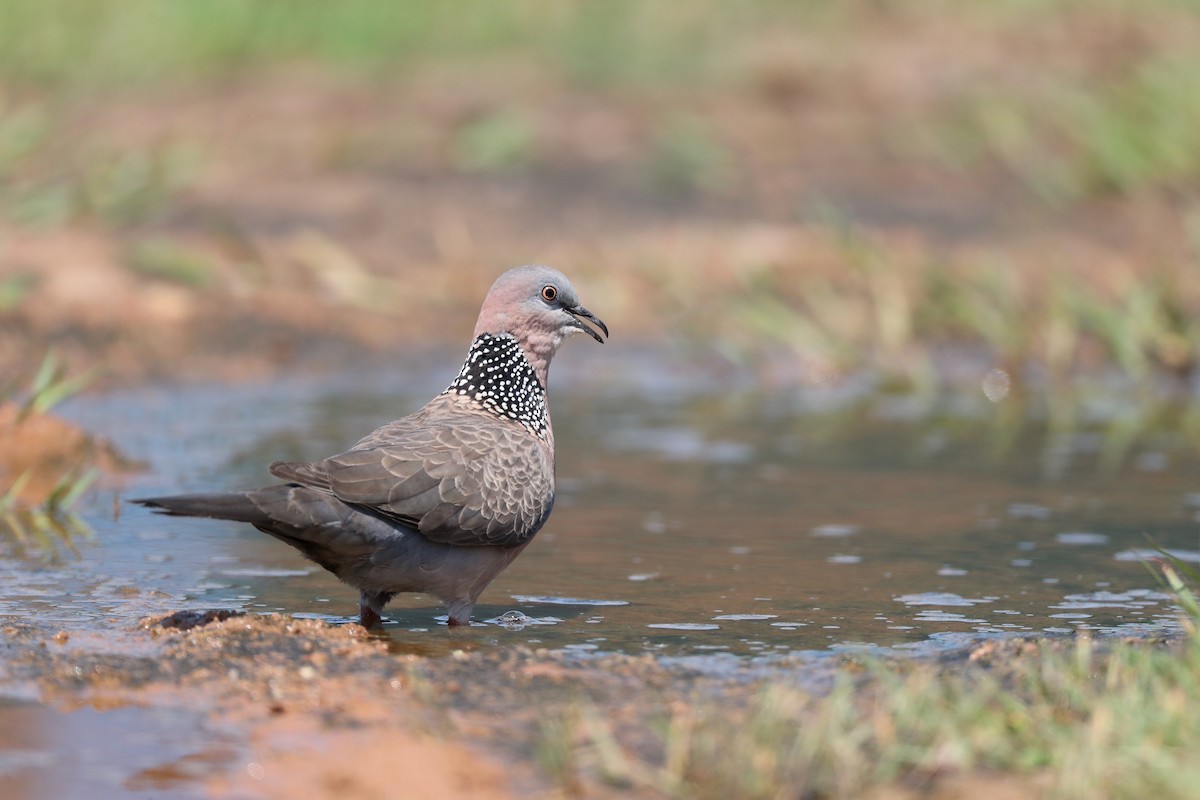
x=303, y=473
x=465, y=481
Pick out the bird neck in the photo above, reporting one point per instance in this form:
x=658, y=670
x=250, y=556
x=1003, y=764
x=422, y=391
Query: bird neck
x=498, y=376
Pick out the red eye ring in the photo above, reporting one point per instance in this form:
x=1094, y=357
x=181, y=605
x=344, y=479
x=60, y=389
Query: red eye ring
x=549, y=294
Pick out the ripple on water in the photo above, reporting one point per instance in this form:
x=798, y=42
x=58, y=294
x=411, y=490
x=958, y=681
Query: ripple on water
x=1134, y=598
x=1081, y=538
x=332, y=619
x=565, y=601
x=685, y=626
x=835, y=530
x=1150, y=554
x=678, y=443
x=934, y=615
x=1047, y=526
x=1028, y=511
x=940, y=599
x=516, y=620
x=264, y=572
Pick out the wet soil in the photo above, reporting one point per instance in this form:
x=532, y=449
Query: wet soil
x=295, y=708
x=280, y=707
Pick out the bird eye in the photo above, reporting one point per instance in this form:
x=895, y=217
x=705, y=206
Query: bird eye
x=549, y=294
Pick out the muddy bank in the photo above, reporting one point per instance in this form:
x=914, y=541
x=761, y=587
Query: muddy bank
x=283, y=708
x=299, y=708
x=304, y=709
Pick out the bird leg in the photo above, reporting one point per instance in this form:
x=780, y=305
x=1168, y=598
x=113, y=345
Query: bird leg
x=459, y=611
x=370, y=606
x=367, y=616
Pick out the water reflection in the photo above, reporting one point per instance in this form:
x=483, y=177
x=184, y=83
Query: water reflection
x=42, y=535
x=691, y=520
x=90, y=753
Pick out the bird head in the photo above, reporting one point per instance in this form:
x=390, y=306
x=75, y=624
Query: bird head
x=538, y=306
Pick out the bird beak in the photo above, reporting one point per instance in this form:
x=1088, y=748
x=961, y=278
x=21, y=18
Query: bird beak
x=581, y=312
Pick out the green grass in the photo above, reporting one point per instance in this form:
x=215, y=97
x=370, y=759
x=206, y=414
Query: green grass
x=15, y=289
x=1064, y=719
x=1100, y=126
x=41, y=530
x=495, y=142
x=167, y=260
x=1120, y=122
x=50, y=175
x=883, y=313
x=1083, y=722
x=87, y=184
x=1113, y=354
x=1094, y=128
x=82, y=43
x=48, y=387
x=1183, y=581
x=685, y=157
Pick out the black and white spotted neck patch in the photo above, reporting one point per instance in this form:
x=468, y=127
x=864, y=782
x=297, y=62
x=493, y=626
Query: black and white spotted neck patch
x=497, y=375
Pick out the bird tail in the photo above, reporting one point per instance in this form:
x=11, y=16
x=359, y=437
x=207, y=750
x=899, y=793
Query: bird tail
x=236, y=506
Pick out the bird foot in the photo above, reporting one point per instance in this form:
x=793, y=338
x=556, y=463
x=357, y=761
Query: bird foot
x=367, y=617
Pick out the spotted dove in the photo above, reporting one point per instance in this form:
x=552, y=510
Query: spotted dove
x=440, y=501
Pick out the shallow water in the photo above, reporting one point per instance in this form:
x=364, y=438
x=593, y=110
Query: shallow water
x=88, y=753
x=698, y=513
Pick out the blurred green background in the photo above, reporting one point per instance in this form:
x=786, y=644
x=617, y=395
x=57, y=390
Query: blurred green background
x=805, y=187
x=924, y=198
